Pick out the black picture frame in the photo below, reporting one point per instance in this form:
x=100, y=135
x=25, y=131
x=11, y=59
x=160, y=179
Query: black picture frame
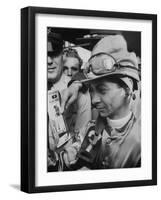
x=28, y=91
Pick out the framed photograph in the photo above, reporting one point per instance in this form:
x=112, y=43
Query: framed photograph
x=88, y=99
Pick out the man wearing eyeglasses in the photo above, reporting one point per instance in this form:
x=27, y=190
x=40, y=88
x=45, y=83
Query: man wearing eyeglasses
x=113, y=79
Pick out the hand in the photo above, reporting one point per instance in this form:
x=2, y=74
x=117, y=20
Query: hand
x=70, y=95
x=70, y=155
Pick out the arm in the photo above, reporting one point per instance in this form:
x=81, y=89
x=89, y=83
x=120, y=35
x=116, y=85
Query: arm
x=71, y=93
x=84, y=110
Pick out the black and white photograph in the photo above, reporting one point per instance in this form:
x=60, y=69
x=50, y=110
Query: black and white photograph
x=94, y=99
x=89, y=90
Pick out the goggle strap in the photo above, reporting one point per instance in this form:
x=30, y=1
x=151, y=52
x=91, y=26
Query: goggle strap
x=127, y=66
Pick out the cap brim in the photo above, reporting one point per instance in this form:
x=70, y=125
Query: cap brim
x=123, y=74
x=54, y=53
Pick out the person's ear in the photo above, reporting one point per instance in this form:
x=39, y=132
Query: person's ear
x=124, y=92
x=129, y=93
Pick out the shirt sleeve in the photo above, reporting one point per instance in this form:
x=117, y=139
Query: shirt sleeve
x=84, y=110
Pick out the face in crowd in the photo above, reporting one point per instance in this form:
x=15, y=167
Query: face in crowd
x=71, y=62
x=55, y=67
x=71, y=66
x=109, y=98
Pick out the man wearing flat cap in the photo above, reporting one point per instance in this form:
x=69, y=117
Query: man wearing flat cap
x=112, y=77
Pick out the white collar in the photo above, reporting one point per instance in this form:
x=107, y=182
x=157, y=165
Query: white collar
x=119, y=123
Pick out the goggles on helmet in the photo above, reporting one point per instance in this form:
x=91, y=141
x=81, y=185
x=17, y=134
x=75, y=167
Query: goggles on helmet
x=103, y=63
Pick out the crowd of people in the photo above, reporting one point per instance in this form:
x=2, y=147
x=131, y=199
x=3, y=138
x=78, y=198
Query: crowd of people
x=99, y=106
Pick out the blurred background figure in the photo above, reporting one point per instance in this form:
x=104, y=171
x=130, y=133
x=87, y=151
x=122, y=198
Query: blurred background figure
x=71, y=62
